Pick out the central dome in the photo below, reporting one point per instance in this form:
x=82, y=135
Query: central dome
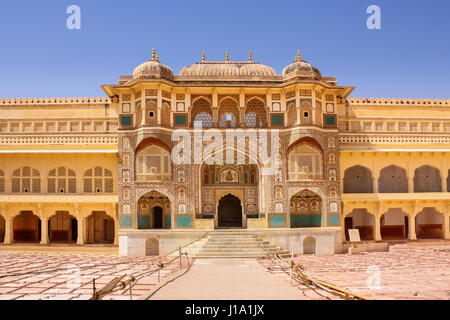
x=228, y=69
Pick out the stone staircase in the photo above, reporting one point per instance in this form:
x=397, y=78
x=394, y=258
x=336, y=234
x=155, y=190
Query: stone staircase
x=229, y=244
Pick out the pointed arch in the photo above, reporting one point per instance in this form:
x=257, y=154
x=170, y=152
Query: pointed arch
x=358, y=179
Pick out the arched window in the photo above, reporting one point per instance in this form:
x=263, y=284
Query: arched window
x=318, y=115
x=448, y=181
x=255, y=114
x=61, y=180
x=98, y=180
x=202, y=106
x=165, y=114
x=151, y=113
x=305, y=162
x=138, y=115
x=205, y=118
x=291, y=114
x=26, y=180
x=358, y=179
x=305, y=113
x=427, y=179
x=393, y=180
x=228, y=113
x=153, y=164
x=2, y=181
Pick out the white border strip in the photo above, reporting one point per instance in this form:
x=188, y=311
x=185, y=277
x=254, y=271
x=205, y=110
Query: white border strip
x=59, y=151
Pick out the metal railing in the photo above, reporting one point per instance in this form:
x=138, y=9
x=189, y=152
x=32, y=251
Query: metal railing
x=127, y=282
x=297, y=272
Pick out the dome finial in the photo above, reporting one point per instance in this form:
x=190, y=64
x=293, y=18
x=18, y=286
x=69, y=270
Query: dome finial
x=157, y=58
x=226, y=56
x=250, y=56
x=203, y=56
x=298, y=56
x=153, y=54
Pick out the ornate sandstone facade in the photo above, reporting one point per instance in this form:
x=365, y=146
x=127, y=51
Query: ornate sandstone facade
x=93, y=169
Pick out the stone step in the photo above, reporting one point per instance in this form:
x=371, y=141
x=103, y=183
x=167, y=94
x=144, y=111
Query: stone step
x=229, y=244
x=230, y=249
x=232, y=240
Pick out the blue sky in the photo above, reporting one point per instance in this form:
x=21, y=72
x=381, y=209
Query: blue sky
x=407, y=58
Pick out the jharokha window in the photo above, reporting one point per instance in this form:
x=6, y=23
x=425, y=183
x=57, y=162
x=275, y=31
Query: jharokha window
x=26, y=180
x=2, y=181
x=98, y=180
x=305, y=162
x=153, y=164
x=61, y=180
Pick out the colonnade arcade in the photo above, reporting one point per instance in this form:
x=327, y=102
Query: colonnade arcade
x=47, y=223
x=397, y=220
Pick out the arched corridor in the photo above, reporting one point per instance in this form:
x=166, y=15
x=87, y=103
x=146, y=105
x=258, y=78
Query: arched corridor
x=26, y=227
x=429, y=224
x=100, y=228
x=62, y=227
x=394, y=225
x=362, y=220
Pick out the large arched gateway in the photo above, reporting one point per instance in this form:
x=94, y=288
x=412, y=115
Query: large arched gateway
x=230, y=212
x=229, y=194
x=154, y=211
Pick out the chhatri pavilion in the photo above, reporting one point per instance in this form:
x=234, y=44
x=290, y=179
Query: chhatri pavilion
x=103, y=170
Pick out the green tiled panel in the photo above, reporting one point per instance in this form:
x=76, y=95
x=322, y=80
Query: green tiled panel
x=180, y=119
x=167, y=222
x=276, y=221
x=143, y=222
x=333, y=219
x=277, y=119
x=184, y=221
x=126, y=221
x=125, y=120
x=330, y=120
x=303, y=220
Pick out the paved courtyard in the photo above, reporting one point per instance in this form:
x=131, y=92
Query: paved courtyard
x=61, y=276
x=233, y=279
x=406, y=272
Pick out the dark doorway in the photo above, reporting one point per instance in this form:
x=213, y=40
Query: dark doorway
x=109, y=230
x=406, y=226
x=230, y=212
x=74, y=226
x=157, y=218
x=348, y=223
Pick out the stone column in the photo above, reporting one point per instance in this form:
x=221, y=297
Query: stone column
x=376, y=177
x=8, y=230
x=412, y=227
x=116, y=232
x=410, y=181
x=446, y=226
x=377, y=229
x=44, y=230
x=116, y=223
x=80, y=225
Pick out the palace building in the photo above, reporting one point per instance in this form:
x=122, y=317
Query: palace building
x=102, y=170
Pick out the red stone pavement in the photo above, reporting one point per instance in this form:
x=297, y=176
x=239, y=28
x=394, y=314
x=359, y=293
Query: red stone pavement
x=406, y=272
x=44, y=276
